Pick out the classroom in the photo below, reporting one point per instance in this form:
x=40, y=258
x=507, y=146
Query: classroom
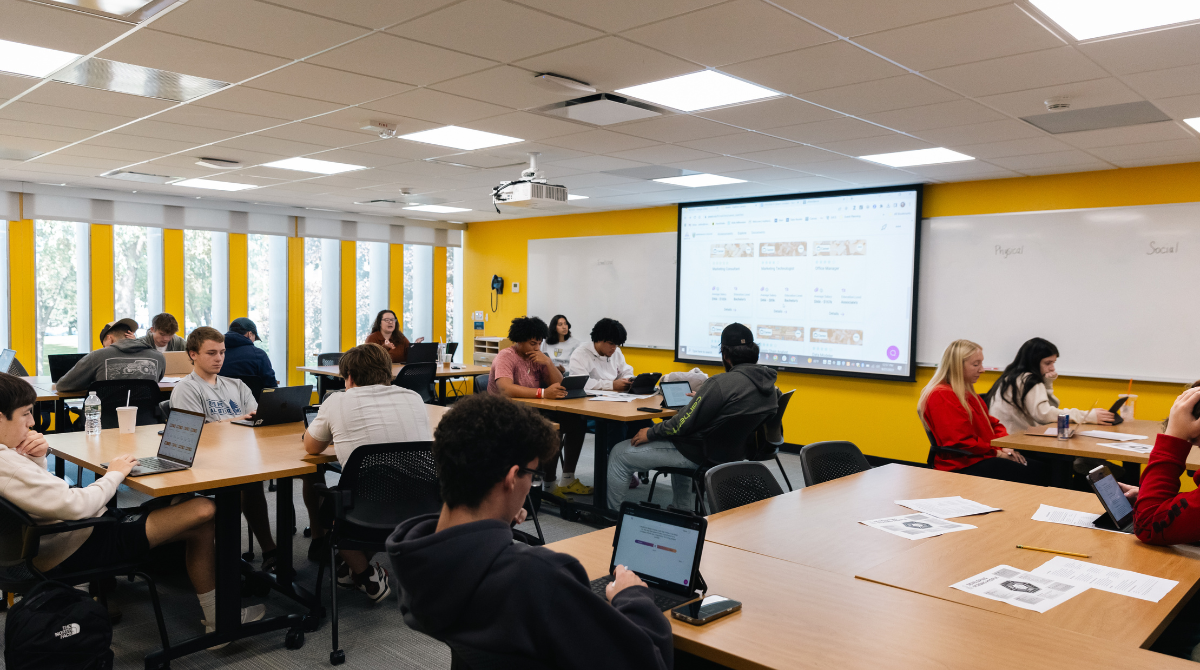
x=771, y=333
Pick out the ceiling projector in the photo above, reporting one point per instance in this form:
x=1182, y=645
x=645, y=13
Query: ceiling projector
x=530, y=191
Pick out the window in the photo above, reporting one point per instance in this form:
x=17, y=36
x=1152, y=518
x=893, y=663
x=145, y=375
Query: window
x=137, y=274
x=418, y=291
x=371, y=287
x=455, y=326
x=61, y=269
x=205, y=280
x=4, y=286
x=267, y=286
x=322, y=299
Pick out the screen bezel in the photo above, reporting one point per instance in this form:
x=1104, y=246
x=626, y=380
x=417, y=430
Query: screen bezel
x=689, y=521
x=1097, y=474
x=912, y=337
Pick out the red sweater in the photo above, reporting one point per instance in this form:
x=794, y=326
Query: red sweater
x=1163, y=515
x=951, y=427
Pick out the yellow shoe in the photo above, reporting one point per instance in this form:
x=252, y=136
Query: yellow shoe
x=576, y=487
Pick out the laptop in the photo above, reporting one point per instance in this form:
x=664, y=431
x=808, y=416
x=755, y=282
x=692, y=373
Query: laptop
x=643, y=384
x=6, y=359
x=675, y=394
x=662, y=547
x=1118, y=514
x=574, y=385
x=61, y=364
x=179, y=364
x=177, y=448
x=282, y=405
x=422, y=352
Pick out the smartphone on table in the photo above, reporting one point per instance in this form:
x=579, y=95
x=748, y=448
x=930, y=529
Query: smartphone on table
x=711, y=608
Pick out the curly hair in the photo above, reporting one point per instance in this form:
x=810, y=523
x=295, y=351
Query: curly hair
x=526, y=328
x=609, y=330
x=480, y=439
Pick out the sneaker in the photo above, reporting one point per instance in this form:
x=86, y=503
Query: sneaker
x=344, y=578
x=635, y=481
x=251, y=613
x=374, y=583
x=576, y=487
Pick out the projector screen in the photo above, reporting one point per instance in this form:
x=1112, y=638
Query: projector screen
x=827, y=282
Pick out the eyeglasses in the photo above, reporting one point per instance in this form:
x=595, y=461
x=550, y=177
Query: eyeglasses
x=388, y=321
x=537, y=475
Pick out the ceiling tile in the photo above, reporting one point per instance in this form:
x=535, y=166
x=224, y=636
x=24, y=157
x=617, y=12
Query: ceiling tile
x=94, y=100
x=322, y=83
x=677, y=128
x=30, y=143
x=156, y=145
x=92, y=164
x=772, y=113
x=435, y=106
x=600, y=163
x=1048, y=160
x=109, y=154
x=352, y=157
x=1062, y=65
x=12, y=85
x=398, y=59
x=1158, y=50
x=730, y=33
x=549, y=153
x=970, y=171
x=493, y=29
x=508, y=86
x=833, y=130
x=1108, y=137
x=265, y=103
x=882, y=144
x=327, y=137
x=219, y=119
x=841, y=166
x=42, y=131
x=600, y=142
x=1182, y=107
x=882, y=95
x=1166, y=83
x=61, y=116
x=173, y=53
x=815, y=68
x=54, y=28
x=980, y=133
x=1082, y=95
x=256, y=26
x=1065, y=169
x=366, y=13
x=352, y=119
x=944, y=114
x=401, y=149
x=739, y=143
x=762, y=174
x=881, y=177
x=616, y=15
x=857, y=17
x=791, y=157
x=527, y=126
x=1160, y=160
x=1005, y=30
x=724, y=165
x=174, y=131
x=663, y=153
x=610, y=63
x=1032, y=145
x=1148, y=150
x=809, y=184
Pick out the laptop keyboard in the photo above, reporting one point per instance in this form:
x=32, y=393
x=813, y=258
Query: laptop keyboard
x=662, y=600
x=152, y=463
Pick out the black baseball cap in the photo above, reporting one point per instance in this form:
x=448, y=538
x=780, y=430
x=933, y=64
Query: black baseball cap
x=120, y=324
x=242, y=325
x=735, y=334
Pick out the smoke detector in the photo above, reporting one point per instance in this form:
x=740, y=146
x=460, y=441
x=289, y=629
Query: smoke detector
x=218, y=163
x=1058, y=104
x=386, y=129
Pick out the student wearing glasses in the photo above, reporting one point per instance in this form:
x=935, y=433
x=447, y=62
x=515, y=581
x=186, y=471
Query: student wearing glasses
x=385, y=332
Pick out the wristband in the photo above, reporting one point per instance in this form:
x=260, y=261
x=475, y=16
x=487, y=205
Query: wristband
x=540, y=392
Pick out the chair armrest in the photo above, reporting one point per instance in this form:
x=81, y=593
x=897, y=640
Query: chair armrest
x=956, y=450
x=68, y=526
x=343, y=499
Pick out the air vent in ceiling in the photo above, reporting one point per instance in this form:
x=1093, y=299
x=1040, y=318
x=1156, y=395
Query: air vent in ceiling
x=14, y=154
x=1097, y=118
x=650, y=172
x=602, y=109
x=409, y=201
x=139, y=176
x=110, y=75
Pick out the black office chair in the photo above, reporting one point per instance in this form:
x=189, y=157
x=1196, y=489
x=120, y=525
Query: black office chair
x=825, y=461
x=732, y=485
x=422, y=352
x=481, y=384
x=417, y=377
x=20, y=538
x=141, y=393
x=727, y=443
x=381, y=486
x=254, y=383
x=164, y=410
x=762, y=450
x=16, y=369
x=935, y=449
x=463, y=657
x=326, y=383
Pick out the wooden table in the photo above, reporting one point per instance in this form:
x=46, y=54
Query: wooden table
x=444, y=373
x=795, y=616
x=47, y=390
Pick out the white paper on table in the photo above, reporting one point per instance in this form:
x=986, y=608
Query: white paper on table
x=1018, y=588
x=1068, y=517
x=167, y=380
x=1136, y=447
x=616, y=396
x=916, y=526
x=1103, y=578
x=1105, y=435
x=948, y=508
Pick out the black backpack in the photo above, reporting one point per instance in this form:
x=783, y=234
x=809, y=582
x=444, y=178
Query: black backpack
x=56, y=626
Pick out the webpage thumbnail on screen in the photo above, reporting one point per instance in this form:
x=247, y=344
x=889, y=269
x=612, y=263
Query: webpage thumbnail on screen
x=657, y=549
x=825, y=283
x=181, y=436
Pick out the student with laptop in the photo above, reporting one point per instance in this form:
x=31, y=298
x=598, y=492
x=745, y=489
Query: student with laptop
x=385, y=331
x=370, y=411
x=523, y=371
x=162, y=334
x=559, y=344
x=242, y=358
x=26, y=483
x=122, y=357
x=463, y=580
x=602, y=360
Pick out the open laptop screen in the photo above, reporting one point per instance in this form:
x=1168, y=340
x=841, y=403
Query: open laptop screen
x=657, y=549
x=675, y=393
x=181, y=436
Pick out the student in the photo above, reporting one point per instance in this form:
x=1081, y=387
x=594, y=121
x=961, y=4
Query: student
x=559, y=344
x=959, y=419
x=463, y=579
x=1023, y=396
x=385, y=332
x=162, y=334
x=523, y=371
x=370, y=411
x=602, y=360
x=242, y=358
x=746, y=389
x=224, y=399
x=121, y=357
x=27, y=484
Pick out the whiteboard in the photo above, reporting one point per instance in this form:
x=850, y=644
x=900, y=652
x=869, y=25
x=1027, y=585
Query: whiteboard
x=630, y=278
x=1117, y=290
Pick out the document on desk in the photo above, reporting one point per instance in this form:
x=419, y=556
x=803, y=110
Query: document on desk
x=1105, y=435
x=1136, y=447
x=169, y=380
x=614, y=396
x=1018, y=588
x=916, y=526
x=948, y=508
x=1113, y=580
x=1068, y=517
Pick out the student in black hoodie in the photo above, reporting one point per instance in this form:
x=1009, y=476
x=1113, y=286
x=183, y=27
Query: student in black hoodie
x=463, y=579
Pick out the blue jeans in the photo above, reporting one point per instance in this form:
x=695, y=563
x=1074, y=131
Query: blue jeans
x=625, y=459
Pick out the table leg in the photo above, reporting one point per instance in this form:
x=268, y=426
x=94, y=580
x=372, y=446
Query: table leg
x=60, y=467
x=441, y=390
x=605, y=431
x=285, y=573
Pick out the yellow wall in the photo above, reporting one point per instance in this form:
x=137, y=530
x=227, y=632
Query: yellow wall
x=396, y=282
x=295, y=339
x=101, y=261
x=239, y=291
x=173, y=274
x=878, y=416
x=349, y=300
x=439, y=294
x=22, y=292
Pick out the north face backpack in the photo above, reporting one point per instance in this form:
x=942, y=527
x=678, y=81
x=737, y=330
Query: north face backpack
x=56, y=626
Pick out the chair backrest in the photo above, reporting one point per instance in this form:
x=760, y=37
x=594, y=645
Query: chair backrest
x=253, y=382
x=164, y=410
x=730, y=441
x=463, y=657
x=481, y=383
x=17, y=370
x=61, y=364
x=732, y=485
x=141, y=393
x=417, y=377
x=422, y=352
x=825, y=461
x=15, y=549
x=384, y=484
x=331, y=358
x=758, y=447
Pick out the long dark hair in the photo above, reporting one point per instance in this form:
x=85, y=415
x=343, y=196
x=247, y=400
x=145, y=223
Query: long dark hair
x=552, y=336
x=397, y=337
x=1023, y=374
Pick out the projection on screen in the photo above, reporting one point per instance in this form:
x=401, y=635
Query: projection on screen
x=825, y=281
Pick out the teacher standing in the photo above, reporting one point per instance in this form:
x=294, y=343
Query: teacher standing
x=386, y=333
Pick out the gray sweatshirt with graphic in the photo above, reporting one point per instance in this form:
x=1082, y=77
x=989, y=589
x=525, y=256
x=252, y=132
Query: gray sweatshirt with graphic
x=124, y=359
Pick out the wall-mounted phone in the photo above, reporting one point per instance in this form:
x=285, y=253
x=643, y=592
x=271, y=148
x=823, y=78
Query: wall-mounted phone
x=498, y=290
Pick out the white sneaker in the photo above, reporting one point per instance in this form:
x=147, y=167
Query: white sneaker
x=344, y=578
x=251, y=613
x=374, y=585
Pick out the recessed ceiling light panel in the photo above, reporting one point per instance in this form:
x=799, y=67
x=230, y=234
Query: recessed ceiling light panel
x=313, y=165
x=465, y=139
x=32, y=61
x=572, y=196
x=148, y=82
x=701, y=179
x=1087, y=19
x=699, y=90
x=918, y=157
x=129, y=11
x=214, y=184
x=1194, y=123
x=437, y=209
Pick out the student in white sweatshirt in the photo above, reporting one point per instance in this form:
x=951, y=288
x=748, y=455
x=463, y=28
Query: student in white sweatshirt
x=602, y=360
x=559, y=343
x=26, y=483
x=1023, y=396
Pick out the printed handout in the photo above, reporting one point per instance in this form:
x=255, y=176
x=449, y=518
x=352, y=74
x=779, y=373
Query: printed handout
x=1068, y=517
x=1113, y=580
x=916, y=526
x=1018, y=588
x=948, y=508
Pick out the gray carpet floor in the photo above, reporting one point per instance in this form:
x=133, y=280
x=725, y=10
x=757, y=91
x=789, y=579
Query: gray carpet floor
x=372, y=635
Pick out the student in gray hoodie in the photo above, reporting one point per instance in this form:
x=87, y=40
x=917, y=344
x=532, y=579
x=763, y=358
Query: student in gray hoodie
x=746, y=391
x=121, y=357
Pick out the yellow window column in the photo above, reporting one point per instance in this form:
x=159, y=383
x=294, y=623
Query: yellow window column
x=101, y=249
x=396, y=282
x=295, y=344
x=239, y=294
x=173, y=274
x=439, y=294
x=22, y=291
x=349, y=299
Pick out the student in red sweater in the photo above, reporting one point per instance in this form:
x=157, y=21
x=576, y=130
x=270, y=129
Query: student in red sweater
x=958, y=418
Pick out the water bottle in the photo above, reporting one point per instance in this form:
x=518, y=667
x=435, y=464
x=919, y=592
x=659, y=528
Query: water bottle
x=91, y=414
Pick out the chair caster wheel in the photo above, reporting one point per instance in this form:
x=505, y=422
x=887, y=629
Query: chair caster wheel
x=337, y=657
x=308, y=531
x=294, y=639
x=310, y=623
x=569, y=513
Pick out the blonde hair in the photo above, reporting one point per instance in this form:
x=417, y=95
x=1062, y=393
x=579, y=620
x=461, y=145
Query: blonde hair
x=950, y=371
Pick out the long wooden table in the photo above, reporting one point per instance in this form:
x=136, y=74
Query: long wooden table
x=48, y=391
x=1034, y=439
x=444, y=373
